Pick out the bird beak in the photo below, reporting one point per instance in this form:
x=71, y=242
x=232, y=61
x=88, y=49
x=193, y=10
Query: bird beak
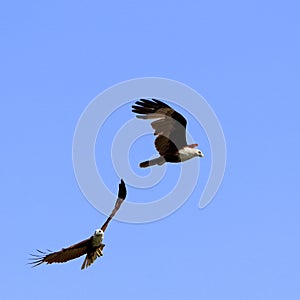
x=201, y=155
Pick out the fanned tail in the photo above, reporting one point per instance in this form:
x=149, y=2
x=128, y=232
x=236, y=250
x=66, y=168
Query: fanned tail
x=90, y=258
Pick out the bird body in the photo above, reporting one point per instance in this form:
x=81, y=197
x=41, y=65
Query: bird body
x=97, y=238
x=95, y=249
x=170, y=129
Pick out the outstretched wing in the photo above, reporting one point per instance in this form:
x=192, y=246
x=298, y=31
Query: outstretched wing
x=121, y=197
x=63, y=255
x=170, y=126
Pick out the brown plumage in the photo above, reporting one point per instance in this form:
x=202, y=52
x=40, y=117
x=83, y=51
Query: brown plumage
x=170, y=128
x=92, y=246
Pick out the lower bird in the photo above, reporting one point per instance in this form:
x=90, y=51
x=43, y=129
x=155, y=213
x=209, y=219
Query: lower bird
x=92, y=246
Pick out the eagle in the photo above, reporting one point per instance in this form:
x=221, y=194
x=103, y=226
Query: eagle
x=92, y=246
x=170, y=129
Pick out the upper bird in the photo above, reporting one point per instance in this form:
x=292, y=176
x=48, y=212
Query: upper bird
x=170, y=129
x=92, y=246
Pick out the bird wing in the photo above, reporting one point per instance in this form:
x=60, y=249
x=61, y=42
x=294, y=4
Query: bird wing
x=63, y=255
x=121, y=197
x=170, y=127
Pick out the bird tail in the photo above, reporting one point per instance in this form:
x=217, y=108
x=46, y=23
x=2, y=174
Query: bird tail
x=156, y=161
x=91, y=257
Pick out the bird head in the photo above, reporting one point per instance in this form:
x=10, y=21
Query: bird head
x=199, y=153
x=99, y=232
x=196, y=152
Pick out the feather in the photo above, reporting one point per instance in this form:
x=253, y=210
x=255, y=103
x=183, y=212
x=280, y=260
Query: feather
x=170, y=127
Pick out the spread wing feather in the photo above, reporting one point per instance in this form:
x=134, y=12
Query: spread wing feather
x=63, y=255
x=170, y=127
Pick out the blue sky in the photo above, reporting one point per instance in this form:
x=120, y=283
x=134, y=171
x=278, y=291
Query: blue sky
x=242, y=57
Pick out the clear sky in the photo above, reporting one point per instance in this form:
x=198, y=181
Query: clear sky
x=242, y=57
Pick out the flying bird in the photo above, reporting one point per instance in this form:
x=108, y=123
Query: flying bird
x=92, y=246
x=170, y=128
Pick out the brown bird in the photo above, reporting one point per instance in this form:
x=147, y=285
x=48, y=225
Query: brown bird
x=92, y=246
x=170, y=129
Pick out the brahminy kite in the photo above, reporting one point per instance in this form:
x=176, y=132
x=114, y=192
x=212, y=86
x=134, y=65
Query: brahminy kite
x=170, y=129
x=92, y=246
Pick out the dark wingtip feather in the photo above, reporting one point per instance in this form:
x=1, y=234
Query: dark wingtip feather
x=145, y=103
x=122, y=190
x=145, y=106
x=42, y=252
x=37, y=259
x=34, y=256
x=35, y=263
